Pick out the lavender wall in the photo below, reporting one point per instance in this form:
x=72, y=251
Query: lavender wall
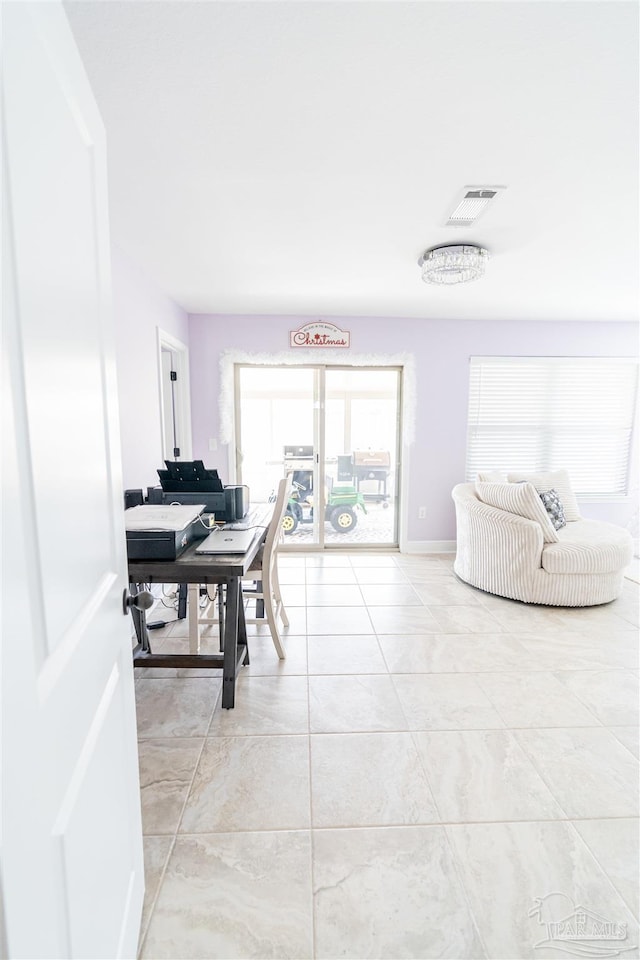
x=441, y=350
x=139, y=308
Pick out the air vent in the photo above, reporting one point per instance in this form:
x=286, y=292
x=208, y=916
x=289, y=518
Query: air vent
x=473, y=202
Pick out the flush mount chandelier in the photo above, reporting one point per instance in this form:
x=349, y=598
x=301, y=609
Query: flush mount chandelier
x=453, y=263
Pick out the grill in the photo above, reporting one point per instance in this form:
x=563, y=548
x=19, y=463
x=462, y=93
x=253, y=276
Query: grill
x=372, y=465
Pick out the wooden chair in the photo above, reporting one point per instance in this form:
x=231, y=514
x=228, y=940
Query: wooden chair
x=264, y=574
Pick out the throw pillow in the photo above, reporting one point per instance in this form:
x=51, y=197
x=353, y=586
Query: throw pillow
x=556, y=480
x=521, y=499
x=491, y=476
x=554, y=508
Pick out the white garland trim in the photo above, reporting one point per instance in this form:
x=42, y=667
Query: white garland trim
x=228, y=359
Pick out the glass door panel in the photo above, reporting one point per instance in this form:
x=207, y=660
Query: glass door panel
x=361, y=455
x=276, y=429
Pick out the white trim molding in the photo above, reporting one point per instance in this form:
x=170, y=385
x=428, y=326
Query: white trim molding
x=429, y=546
x=406, y=361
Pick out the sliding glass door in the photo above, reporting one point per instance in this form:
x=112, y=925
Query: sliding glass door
x=336, y=431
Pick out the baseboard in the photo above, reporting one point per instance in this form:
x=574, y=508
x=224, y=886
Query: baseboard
x=429, y=546
x=633, y=570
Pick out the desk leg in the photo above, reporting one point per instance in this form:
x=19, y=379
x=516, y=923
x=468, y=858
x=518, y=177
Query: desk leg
x=221, y=614
x=182, y=601
x=232, y=613
x=193, y=607
x=259, y=603
x=242, y=631
x=140, y=621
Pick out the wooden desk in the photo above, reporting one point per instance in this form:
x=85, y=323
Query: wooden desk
x=191, y=568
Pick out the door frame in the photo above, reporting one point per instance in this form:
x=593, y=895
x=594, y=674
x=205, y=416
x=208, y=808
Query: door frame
x=320, y=366
x=182, y=392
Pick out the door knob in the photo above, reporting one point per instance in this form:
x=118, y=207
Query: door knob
x=141, y=601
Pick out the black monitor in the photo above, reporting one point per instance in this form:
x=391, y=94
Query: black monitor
x=189, y=476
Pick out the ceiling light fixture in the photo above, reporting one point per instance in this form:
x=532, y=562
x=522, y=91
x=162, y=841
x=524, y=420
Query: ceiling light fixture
x=453, y=263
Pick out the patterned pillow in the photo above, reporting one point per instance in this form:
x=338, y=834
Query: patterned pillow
x=554, y=508
x=557, y=480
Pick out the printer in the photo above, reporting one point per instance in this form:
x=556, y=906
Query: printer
x=162, y=531
x=190, y=482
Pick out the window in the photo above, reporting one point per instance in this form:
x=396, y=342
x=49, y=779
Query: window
x=550, y=413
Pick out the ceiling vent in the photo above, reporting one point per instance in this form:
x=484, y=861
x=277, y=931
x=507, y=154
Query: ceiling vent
x=474, y=201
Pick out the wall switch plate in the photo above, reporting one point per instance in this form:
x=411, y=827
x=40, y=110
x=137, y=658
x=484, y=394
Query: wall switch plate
x=422, y=513
x=213, y=445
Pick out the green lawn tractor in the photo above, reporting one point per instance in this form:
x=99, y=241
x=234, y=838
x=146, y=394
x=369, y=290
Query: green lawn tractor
x=340, y=508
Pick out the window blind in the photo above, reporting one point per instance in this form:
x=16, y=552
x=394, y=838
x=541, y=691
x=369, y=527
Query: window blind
x=551, y=413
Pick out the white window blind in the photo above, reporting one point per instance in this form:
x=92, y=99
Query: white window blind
x=552, y=413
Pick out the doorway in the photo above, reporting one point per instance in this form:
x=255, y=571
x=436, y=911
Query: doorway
x=175, y=409
x=336, y=430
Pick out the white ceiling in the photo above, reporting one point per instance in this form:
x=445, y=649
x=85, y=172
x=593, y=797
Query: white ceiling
x=299, y=157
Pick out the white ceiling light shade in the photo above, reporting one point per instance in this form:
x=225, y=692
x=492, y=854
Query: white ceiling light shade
x=454, y=263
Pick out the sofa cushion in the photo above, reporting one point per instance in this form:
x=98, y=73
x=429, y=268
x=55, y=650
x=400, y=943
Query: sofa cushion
x=556, y=480
x=553, y=506
x=521, y=499
x=588, y=546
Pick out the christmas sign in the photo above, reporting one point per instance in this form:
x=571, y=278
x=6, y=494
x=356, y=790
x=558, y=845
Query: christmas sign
x=319, y=334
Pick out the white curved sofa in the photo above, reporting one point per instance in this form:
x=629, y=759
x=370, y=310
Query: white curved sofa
x=515, y=556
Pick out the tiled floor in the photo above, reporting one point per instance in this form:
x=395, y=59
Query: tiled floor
x=432, y=772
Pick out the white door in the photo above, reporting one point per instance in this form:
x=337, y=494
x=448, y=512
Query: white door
x=72, y=877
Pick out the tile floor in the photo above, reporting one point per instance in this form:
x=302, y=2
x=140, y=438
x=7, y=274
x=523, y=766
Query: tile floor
x=432, y=772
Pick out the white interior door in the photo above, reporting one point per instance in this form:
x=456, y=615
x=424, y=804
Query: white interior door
x=72, y=876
